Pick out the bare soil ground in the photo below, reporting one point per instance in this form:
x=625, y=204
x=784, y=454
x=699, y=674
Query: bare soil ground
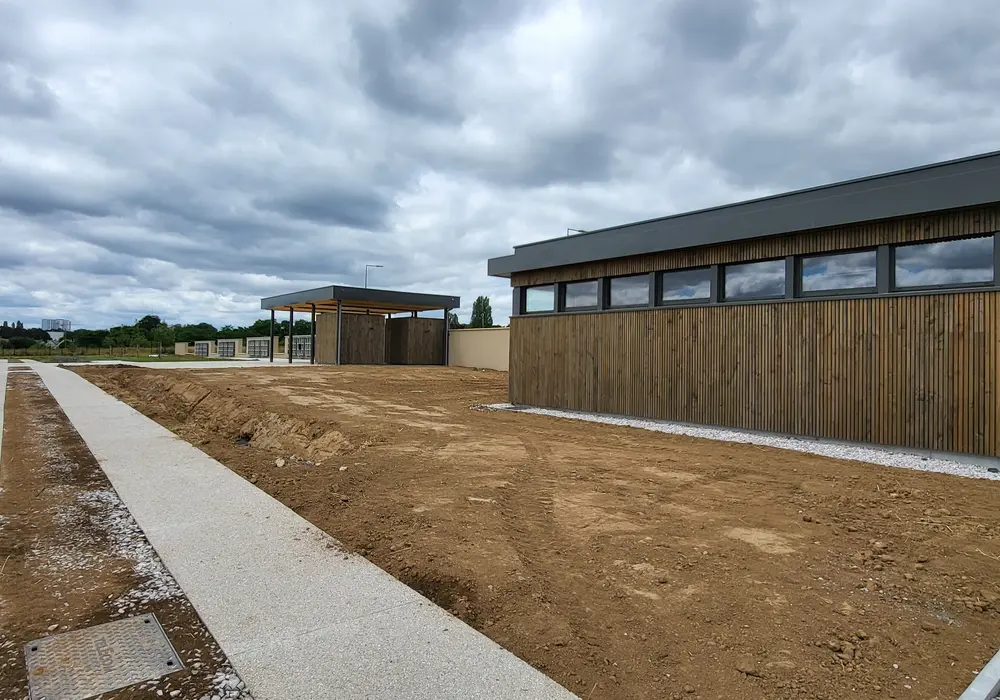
x=623, y=563
x=73, y=557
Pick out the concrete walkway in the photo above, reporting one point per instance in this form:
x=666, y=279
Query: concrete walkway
x=297, y=616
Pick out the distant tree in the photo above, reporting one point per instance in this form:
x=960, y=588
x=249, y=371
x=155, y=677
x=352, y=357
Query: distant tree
x=21, y=342
x=146, y=324
x=163, y=335
x=198, y=331
x=453, y=321
x=482, y=314
x=230, y=331
x=259, y=328
x=86, y=338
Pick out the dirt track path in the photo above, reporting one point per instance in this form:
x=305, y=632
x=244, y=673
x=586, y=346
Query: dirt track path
x=73, y=556
x=623, y=563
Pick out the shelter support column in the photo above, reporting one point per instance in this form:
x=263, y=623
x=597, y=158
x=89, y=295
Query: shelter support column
x=291, y=329
x=312, y=336
x=447, y=333
x=339, y=318
x=270, y=339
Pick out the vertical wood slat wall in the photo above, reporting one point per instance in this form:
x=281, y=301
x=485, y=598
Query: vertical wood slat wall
x=415, y=341
x=915, y=371
x=326, y=339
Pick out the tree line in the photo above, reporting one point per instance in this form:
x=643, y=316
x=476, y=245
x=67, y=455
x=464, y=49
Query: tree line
x=152, y=331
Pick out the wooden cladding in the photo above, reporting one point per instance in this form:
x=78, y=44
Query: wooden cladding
x=943, y=225
x=362, y=341
x=326, y=339
x=415, y=341
x=917, y=371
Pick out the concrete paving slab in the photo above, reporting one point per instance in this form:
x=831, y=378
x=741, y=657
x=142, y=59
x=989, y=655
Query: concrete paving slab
x=297, y=616
x=440, y=649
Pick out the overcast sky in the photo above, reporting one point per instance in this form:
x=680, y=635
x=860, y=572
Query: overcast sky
x=186, y=158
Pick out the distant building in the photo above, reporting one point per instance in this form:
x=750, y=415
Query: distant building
x=57, y=324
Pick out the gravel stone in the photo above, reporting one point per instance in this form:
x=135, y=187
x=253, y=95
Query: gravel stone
x=872, y=455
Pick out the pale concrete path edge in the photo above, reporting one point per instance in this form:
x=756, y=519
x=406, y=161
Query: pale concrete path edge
x=297, y=616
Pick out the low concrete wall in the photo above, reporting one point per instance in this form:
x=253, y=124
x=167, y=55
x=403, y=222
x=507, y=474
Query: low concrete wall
x=487, y=348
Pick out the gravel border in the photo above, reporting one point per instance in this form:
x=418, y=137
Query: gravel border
x=872, y=455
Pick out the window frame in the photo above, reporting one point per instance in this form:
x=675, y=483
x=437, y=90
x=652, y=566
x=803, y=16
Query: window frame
x=844, y=291
x=524, y=298
x=570, y=309
x=607, y=291
x=895, y=288
x=726, y=299
x=694, y=301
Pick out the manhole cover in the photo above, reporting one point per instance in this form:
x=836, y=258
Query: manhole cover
x=84, y=663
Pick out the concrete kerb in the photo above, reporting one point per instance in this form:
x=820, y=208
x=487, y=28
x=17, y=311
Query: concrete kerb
x=297, y=615
x=986, y=686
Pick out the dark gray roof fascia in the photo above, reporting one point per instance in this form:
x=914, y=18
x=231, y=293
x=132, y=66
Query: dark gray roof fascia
x=954, y=184
x=361, y=295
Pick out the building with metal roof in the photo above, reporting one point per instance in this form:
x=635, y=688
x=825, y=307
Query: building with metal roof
x=863, y=311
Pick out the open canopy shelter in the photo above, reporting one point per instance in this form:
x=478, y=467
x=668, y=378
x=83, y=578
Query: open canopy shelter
x=348, y=325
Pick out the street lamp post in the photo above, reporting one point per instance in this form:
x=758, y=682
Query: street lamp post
x=366, y=273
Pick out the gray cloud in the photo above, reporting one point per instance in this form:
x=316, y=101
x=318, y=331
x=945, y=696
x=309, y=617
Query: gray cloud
x=714, y=30
x=185, y=159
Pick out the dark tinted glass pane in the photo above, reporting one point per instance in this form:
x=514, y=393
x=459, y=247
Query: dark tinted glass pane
x=964, y=261
x=539, y=299
x=630, y=291
x=755, y=280
x=686, y=285
x=844, y=271
x=581, y=294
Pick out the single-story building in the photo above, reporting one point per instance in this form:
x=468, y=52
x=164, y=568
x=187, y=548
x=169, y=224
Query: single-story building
x=354, y=325
x=863, y=311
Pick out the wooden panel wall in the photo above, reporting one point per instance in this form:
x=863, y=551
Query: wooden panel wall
x=363, y=341
x=917, y=371
x=415, y=341
x=326, y=339
x=961, y=223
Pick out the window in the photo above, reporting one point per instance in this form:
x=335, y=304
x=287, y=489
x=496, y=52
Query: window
x=839, y=272
x=629, y=291
x=685, y=285
x=539, y=299
x=759, y=280
x=580, y=295
x=944, y=263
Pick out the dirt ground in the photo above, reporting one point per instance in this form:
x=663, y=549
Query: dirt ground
x=73, y=557
x=623, y=563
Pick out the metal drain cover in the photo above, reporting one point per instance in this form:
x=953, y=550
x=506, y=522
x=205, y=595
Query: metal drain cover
x=84, y=663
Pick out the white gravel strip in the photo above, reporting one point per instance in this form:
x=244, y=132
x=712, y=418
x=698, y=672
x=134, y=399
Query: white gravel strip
x=873, y=455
